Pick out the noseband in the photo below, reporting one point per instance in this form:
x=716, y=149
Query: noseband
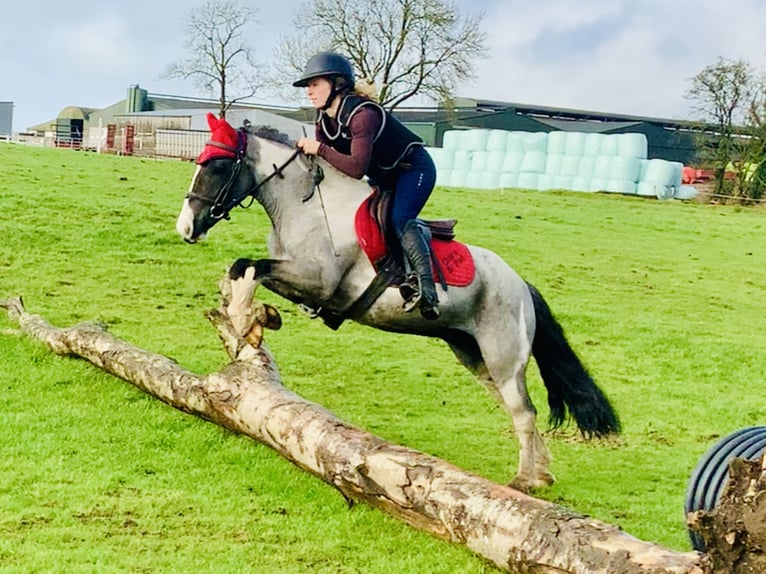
x=223, y=203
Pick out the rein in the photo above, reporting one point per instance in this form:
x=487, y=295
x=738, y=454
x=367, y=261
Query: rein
x=222, y=204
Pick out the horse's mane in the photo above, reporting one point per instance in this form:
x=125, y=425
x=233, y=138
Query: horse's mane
x=271, y=134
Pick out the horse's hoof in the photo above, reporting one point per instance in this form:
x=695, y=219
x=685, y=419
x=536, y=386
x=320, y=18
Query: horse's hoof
x=521, y=484
x=544, y=480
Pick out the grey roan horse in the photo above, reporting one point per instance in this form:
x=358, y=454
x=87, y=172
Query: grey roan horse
x=493, y=324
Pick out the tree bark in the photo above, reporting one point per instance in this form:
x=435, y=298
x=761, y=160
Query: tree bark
x=734, y=532
x=516, y=532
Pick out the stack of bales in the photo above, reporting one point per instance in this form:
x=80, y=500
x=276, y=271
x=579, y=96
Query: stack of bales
x=578, y=161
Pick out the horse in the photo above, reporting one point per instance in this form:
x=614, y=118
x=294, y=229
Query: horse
x=494, y=321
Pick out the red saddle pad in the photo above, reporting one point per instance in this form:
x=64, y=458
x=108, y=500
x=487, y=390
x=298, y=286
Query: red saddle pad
x=455, y=260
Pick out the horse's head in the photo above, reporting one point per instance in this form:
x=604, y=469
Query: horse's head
x=221, y=182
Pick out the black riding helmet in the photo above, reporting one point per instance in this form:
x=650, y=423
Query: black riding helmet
x=327, y=64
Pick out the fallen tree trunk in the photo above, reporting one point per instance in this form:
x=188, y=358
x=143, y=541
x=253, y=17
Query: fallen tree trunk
x=514, y=531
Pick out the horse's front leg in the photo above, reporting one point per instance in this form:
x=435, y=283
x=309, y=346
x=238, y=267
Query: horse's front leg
x=299, y=280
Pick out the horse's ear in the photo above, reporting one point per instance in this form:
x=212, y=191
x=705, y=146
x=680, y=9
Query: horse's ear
x=212, y=121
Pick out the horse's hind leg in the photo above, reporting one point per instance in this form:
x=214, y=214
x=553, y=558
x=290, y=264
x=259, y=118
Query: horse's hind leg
x=503, y=373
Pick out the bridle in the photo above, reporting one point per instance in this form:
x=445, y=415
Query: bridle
x=223, y=202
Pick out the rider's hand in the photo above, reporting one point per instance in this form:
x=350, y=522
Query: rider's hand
x=308, y=146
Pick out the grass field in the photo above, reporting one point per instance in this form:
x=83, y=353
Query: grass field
x=664, y=302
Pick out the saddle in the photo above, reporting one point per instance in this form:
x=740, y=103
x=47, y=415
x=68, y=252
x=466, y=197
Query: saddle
x=451, y=260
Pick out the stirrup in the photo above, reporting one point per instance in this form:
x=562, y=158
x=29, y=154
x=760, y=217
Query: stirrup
x=410, y=293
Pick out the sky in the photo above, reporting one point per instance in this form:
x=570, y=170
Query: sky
x=619, y=56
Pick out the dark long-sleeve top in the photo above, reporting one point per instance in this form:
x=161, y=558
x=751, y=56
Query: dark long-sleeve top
x=363, y=126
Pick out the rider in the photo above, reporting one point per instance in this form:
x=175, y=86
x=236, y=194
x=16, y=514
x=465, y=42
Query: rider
x=358, y=137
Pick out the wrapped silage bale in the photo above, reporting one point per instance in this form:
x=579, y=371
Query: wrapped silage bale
x=648, y=188
x=580, y=183
x=528, y=180
x=570, y=165
x=536, y=141
x=487, y=180
x=474, y=139
x=515, y=141
x=587, y=166
x=621, y=186
x=508, y=180
x=443, y=158
x=643, y=166
x=562, y=181
x=575, y=143
x=610, y=145
x=624, y=168
x=546, y=181
x=497, y=140
x=662, y=172
x=451, y=139
x=593, y=143
x=512, y=161
x=553, y=162
x=495, y=160
x=462, y=160
x=458, y=178
x=598, y=183
x=443, y=177
x=632, y=145
x=533, y=162
x=602, y=167
x=686, y=192
x=479, y=161
x=557, y=142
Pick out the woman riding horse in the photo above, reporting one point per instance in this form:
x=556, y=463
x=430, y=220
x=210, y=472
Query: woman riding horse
x=358, y=137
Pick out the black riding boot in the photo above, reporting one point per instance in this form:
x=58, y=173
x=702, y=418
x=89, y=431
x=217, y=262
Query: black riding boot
x=417, y=252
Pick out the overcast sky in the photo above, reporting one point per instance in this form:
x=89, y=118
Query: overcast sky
x=621, y=56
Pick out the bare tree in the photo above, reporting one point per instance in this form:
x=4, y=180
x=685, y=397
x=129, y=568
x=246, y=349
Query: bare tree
x=220, y=61
x=404, y=47
x=729, y=95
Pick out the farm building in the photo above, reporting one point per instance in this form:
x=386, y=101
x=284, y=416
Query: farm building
x=6, y=118
x=673, y=140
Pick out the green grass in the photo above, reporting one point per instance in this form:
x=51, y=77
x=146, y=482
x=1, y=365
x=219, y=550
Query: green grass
x=664, y=302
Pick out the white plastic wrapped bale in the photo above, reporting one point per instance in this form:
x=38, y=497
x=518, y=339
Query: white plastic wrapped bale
x=533, y=162
x=593, y=143
x=535, y=141
x=625, y=168
x=570, y=164
x=451, y=139
x=546, y=181
x=444, y=177
x=497, y=140
x=626, y=186
x=660, y=178
x=479, y=161
x=495, y=160
x=686, y=192
x=598, y=184
x=553, y=163
x=486, y=180
x=508, y=180
x=610, y=144
x=443, y=158
x=512, y=161
x=462, y=160
x=587, y=166
x=474, y=139
x=528, y=180
x=580, y=183
x=632, y=145
x=515, y=142
x=458, y=178
x=557, y=142
x=575, y=143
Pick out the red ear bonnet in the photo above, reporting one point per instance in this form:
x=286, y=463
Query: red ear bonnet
x=224, y=135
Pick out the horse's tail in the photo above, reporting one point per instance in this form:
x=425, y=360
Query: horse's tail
x=570, y=386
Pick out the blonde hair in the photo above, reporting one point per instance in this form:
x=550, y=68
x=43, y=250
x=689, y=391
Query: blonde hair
x=366, y=88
